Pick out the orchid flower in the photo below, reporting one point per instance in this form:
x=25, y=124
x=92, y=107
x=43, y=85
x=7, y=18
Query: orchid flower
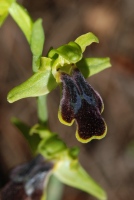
x=80, y=102
x=67, y=67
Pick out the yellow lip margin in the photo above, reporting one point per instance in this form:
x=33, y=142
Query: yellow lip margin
x=62, y=120
x=91, y=138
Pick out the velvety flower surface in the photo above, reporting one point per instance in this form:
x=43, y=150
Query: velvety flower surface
x=80, y=102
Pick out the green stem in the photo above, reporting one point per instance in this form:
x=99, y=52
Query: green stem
x=42, y=109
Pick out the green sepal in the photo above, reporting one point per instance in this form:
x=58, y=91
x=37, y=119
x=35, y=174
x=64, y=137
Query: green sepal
x=85, y=40
x=70, y=172
x=41, y=83
x=33, y=140
x=37, y=43
x=91, y=66
x=71, y=52
x=22, y=18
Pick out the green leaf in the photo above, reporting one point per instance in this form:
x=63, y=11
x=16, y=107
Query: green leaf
x=22, y=18
x=91, y=66
x=37, y=43
x=41, y=83
x=33, y=140
x=71, y=52
x=71, y=173
x=85, y=40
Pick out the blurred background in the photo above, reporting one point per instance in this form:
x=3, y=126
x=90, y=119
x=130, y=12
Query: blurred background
x=109, y=161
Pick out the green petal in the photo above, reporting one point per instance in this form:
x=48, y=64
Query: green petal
x=71, y=173
x=71, y=52
x=91, y=66
x=41, y=83
x=85, y=40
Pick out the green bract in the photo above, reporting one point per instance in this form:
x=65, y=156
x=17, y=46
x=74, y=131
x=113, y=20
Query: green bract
x=70, y=172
